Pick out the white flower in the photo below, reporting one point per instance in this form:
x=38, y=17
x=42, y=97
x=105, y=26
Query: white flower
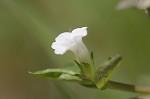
x=140, y=4
x=72, y=41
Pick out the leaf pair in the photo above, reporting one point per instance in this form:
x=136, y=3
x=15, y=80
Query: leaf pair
x=72, y=73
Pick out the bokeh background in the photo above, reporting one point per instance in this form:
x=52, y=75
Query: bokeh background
x=28, y=27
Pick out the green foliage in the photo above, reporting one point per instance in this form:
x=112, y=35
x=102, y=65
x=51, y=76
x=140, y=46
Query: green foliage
x=72, y=73
x=88, y=70
x=104, y=72
x=58, y=74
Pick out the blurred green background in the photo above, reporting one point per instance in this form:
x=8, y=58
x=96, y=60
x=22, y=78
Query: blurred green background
x=28, y=27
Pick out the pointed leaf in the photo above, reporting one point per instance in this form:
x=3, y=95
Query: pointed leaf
x=58, y=74
x=104, y=73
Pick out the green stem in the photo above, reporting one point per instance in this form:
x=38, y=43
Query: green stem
x=127, y=87
x=122, y=87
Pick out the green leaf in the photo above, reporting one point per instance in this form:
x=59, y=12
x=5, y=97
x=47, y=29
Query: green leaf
x=82, y=68
x=104, y=73
x=87, y=70
x=58, y=74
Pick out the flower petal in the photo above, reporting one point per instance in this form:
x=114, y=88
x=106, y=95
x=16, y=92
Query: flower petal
x=73, y=42
x=143, y=4
x=63, y=37
x=60, y=51
x=140, y=4
x=55, y=45
x=80, y=32
x=125, y=4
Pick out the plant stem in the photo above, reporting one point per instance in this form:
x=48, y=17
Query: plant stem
x=127, y=87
